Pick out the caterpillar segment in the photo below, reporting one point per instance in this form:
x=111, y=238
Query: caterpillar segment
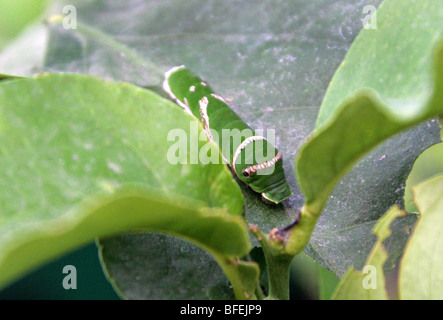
x=252, y=158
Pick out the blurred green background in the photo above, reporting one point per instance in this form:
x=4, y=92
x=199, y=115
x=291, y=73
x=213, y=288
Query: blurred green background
x=18, y=14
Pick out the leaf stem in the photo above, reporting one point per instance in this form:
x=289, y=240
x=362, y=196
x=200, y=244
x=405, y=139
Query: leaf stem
x=243, y=276
x=278, y=263
x=258, y=290
x=278, y=272
x=280, y=246
x=297, y=236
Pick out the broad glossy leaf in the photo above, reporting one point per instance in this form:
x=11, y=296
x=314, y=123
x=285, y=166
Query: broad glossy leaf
x=377, y=92
x=162, y=267
x=421, y=273
x=382, y=97
x=275, y=60
x=83, y=158
x=370, y=284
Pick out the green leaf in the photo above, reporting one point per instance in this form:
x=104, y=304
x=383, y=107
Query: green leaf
x=369, y=284
x=240, y=70
x=162, y=267
x=276, y=73
x=429, y=164
x=377, y=92
x=16, y=15
x=84, y=158
x=384, y=96
x=156, y=266
x=421, y=275
x=327, y=282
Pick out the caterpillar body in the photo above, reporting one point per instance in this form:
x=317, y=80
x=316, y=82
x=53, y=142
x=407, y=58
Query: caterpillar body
x=251, y=157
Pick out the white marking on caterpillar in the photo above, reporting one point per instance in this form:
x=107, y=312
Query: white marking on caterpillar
x=167, y=89
x=203, y=84
x=184, y=106
x=252, y=169
x=241, y=147
x=204, y=116
x=192, y=88
x=247, y=172
x=203, y=103
x=216, y=96
x=266, y=198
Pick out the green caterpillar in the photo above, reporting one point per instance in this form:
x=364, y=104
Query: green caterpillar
x=264, y=174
